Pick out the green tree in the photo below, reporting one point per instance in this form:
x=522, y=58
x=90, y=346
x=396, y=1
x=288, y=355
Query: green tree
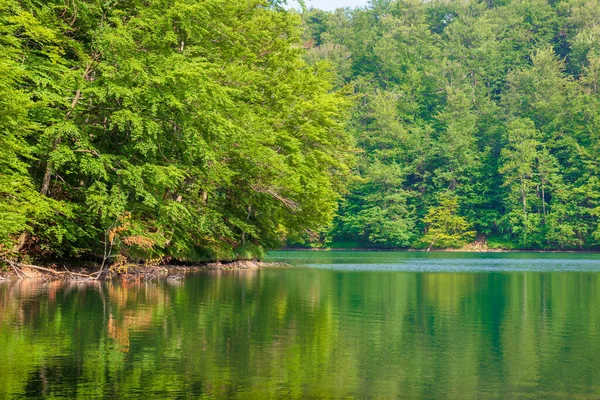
x=445, y=228
x=183, y=129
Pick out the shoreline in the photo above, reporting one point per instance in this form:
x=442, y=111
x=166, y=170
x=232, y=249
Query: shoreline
x=133, y=272
x=14, y=271
x=464, y=250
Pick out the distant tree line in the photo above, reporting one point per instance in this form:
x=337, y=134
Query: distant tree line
x=474, y=119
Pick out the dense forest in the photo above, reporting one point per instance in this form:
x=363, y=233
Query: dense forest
x=193, y=130
x=476, y=121
x=163, y=129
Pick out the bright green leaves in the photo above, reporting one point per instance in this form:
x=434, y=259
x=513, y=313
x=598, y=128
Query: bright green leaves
x=188, y=129
x=444, y=227
x=20, y=204
x=520, y=170
x=378, y=209
x=543, y=160
x=197, y=130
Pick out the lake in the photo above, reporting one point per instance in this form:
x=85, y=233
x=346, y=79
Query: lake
x=335, y=325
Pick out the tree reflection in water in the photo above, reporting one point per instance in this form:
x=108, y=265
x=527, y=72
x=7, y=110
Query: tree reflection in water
x=300, y=333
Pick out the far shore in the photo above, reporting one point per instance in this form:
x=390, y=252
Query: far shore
x=140, y=272
x=463, y=250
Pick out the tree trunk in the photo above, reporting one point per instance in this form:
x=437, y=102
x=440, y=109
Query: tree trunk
x=22, y=242
x=543, y=202
x=24, y=238
x=523, y=197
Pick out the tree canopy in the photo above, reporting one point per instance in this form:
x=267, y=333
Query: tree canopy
x=184, y=129
x=493, y=104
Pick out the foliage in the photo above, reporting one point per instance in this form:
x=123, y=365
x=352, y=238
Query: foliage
x=199, y=122
x=221, y=129
x=445, y=228
x=494, y=104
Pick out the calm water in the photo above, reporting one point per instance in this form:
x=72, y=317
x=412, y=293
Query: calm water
x=337, y=325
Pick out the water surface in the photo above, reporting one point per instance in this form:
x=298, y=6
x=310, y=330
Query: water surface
x=337, y=325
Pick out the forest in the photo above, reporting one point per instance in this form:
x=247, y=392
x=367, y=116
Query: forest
x=163, y=130
x=476, y=122
x=195, y=130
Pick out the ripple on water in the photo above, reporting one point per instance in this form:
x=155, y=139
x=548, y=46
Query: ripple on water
x=470, y=265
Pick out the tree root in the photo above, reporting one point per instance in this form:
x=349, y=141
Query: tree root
x=18, y=268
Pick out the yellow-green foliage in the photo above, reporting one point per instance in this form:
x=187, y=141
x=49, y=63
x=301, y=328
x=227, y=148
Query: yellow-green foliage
x=196, y=121
x=445, y=228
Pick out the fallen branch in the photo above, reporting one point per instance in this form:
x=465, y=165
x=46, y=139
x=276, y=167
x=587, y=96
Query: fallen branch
x=18, y=268
x=39, y=268
x=25, y=273
x=18, y=272
x=73, y=277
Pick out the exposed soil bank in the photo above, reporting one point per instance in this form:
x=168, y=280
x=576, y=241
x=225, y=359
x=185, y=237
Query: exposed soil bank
x=130, y=272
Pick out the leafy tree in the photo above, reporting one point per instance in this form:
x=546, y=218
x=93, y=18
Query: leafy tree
x=444, y=227
x=190, y=130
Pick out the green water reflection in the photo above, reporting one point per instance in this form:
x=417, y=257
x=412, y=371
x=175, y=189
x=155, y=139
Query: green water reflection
x=306, y=333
